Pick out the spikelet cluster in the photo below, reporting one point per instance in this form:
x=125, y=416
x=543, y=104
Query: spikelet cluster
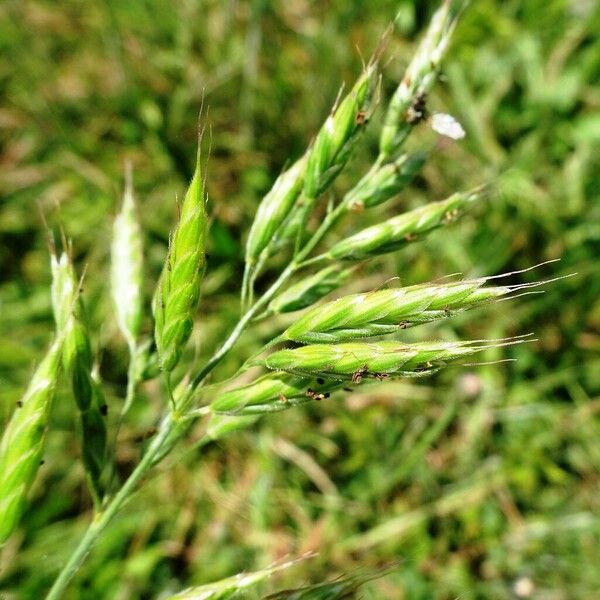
x=178, y=291
x=23, y=441
x=274, y=209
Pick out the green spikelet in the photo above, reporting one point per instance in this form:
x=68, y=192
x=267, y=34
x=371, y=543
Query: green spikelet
x=335, y=140
x=355, y=361
x=408, y=104
x=23, y=441
x=274, y=209
x=386, y=311
x=273, y=392
x=178, y=291
x=398, y=231
x=127, y=263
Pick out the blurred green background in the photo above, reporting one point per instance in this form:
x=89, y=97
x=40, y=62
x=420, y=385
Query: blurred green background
x=481, y=482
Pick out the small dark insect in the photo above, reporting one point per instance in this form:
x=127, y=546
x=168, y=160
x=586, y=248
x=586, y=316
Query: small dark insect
x=361, y=117
x=42, y=462
x=380, y=376
x=150, y=433
x=320, y=380
x=348, y=389
x=446, y=310
x=403, y=324
x=104, y=410
x=417, y=111
x=310, y=393
x=19, y=404
x=360, y=373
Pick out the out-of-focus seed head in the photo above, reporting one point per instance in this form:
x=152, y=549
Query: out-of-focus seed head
x=127, y=263
x=384, y=181
x=309, y=290
x=23, y=441
x=178, y=291
x=403, y=229
x=274, y=209
x=333, y=144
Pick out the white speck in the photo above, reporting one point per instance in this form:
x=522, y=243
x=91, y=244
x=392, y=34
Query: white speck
x=447, y=125
x=523, y=587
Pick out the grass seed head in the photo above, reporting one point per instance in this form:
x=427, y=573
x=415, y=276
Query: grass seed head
x=403, y=229
x=386, y=311
x=178, y=291
x=374, y=360
x=23, y=441
x=384, y=181
x=274, y=209
x=417, y=81
x=335, y=140
x=127, y=262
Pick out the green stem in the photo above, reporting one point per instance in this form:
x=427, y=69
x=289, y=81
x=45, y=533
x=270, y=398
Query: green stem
x=103, y=519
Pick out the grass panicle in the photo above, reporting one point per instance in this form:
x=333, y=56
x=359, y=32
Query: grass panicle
x=127, y=267
x=22, y=444
x=407, y=106
x=393, y=234
x=178, y=290
x=264, y=390
x=330, y=359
